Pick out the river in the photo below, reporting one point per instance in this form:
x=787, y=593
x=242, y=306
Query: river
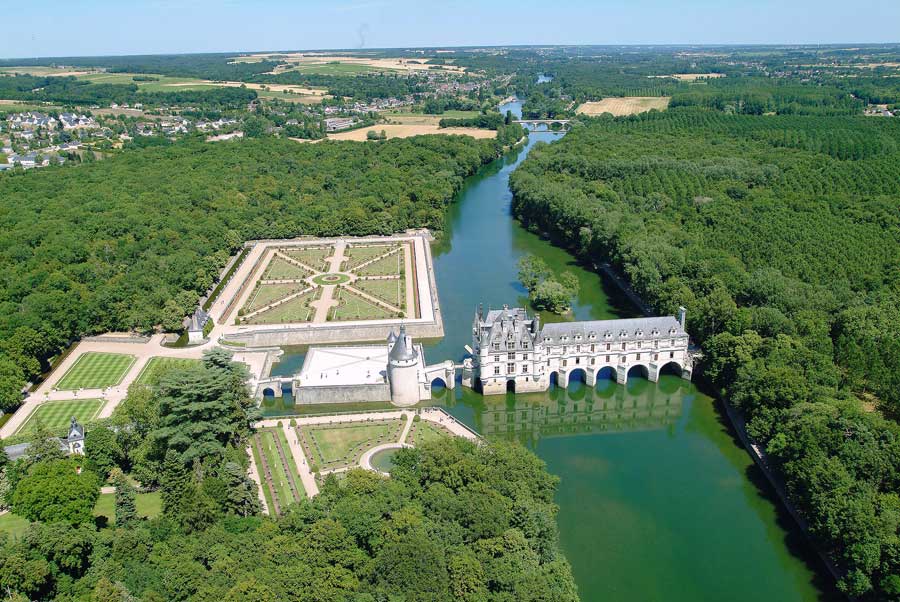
x=657, y=500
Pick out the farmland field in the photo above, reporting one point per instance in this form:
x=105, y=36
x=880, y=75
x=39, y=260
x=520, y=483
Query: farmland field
x=627, y=105
x=406, y=131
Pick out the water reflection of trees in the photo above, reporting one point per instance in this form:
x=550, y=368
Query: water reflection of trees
x=580, y=409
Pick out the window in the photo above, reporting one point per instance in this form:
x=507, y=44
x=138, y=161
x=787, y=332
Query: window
x=623, y=346
x=593, y=348
x=524, y=368
x=593, y=361
x=607, y=346
x=607, y=359
x=656, y=344
x=524, y=345
x=496, y=369
x=510, y=368
x=565, y=363
x=637, y=356
x=577, y=360
x=673, y=342
x=510, y=345
x=640, y=344
x=564, y=349
x=496, y=358
x=510, y=356
x=497, y=346
x=524, y=356
x=671, y=354
x=655, y=356
x=577, y=348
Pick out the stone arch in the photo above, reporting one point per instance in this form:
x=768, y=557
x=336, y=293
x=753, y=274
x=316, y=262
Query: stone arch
x=577, y=375
x=438, y=382
x=638, y=370
x=554, y=379
x=606, y=373
x=268, y=392
x=510, y=385
x=671, y=367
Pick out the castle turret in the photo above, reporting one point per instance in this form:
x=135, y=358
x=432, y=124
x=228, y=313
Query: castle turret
x=403, y=363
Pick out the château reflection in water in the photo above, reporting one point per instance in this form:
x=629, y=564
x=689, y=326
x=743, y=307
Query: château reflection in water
x=576, y=410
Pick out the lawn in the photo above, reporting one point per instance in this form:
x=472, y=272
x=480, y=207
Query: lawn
x=96, y=370
x=390, y=291
x=157, y=366
x=343, y=444
x=280, y=269
x=148, y=505
x=292, y=465
x=295, y=310
x=360, y=255
x=56, y=415
x=354, y=307
x=388, y=266
x=267, y=293
x=314, y=257
x=267, y=493
x=337, y=69
x=423, y=432
x=163, y=83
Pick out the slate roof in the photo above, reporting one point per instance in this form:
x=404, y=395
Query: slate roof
x=630, y=329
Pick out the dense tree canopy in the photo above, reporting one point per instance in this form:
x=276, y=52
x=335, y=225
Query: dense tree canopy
x=781, y=235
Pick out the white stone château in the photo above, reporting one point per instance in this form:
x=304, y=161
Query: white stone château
x=511, y=351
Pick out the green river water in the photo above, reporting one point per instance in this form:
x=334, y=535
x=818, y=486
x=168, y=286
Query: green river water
x=657, y=500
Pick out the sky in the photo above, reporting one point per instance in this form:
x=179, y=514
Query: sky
x=51, y=28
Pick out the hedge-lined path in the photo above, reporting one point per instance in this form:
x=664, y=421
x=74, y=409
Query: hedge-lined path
x=254, y=474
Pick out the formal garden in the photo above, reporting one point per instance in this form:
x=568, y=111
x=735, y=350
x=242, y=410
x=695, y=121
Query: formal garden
x=340, y=445
x=371, y=284
x=277, y=470
x=96, y=370
x=424, y=431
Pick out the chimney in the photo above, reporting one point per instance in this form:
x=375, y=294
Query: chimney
x=682, y=312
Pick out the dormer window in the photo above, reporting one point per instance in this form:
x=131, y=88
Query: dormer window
x=672, y=331
x=638, y=333
x=623, y=334
x=655, y=332
x=607, y=335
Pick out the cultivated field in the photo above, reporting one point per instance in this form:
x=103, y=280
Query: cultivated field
x=690, y=77
x=43, y=71
x=627, y=105
x=408, y=118
x=96, y=370
x=56, y=415
x=331, y=64
x=406, y=131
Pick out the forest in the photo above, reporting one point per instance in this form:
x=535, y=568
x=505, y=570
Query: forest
x=781, y=236
x=455, y=522
x=132, y=242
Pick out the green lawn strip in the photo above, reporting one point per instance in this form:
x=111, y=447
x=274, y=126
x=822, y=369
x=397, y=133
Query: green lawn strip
x=423, y=432
x=96, y=370
x=149, y=505
x=157, y=366
x=314, y=257
x=389, y=291
x=387, y=266
x=280, y=269
x=56, y=415
x=295, y=310
x=362, y=254
x=291, y=462
x=354, y=307
x=13, y=524
x=342, y=444
x=279, y=476
x=267, y=293
x=267, y=493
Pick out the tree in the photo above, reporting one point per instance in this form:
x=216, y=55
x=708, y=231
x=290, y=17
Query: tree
x=126, y=510
x=102, y=450
x=552, y=296
x=242, y=497
x=43, y=445
x=54, y=491
x=532, y=271
x=12, y=378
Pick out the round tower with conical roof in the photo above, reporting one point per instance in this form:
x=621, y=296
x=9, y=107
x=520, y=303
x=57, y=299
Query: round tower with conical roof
x=403, y=369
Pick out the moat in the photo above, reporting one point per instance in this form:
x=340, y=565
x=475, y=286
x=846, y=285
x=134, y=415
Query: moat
x=657, y=501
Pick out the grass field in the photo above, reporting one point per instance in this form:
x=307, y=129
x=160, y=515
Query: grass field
x=280, y=269
x=314, y=257
x=354, y=307
x=389, y=291
x=336, y=69
x=627, y=105
x=388, y=266
x=295, y=310
x=410, y=118
x=423, y=432
x=344, y=444
x=56, y=415
x=149, y=505
x=267, y=293
x=362, y=254
x=157, y=366
x=96, y=370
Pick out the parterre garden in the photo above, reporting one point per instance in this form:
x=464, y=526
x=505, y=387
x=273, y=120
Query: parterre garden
x=339, y=445
x=96, y=370
x=371, y=284
x=277, y=470
x=423, y=431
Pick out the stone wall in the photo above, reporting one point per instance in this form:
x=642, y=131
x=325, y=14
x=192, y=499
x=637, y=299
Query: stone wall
x=342, y=394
